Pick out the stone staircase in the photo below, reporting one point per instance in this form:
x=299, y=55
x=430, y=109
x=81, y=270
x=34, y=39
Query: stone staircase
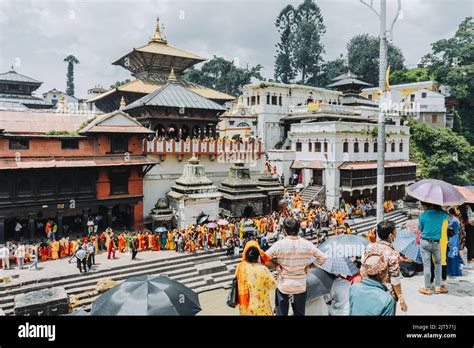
x=310, y=193
x=184, y=268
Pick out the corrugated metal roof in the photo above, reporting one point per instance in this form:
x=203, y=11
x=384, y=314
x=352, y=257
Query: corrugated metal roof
x=24, y=122
x=13, y=76
x=373, y=165
x=348, y=74
x=23, y=99
x=174, y=95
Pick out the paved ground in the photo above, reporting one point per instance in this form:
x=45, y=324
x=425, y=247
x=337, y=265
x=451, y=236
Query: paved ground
x=459, y=300
x=62, y=267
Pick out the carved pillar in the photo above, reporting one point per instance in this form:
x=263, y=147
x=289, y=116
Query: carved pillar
x=131, y=214
x=109, y=216
x=59, y=216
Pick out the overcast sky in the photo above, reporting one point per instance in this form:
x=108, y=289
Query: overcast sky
x=36, y=35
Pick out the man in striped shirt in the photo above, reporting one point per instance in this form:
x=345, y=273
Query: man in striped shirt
x=291, y=256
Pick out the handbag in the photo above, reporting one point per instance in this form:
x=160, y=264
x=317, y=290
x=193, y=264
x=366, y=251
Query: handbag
x=233, y=297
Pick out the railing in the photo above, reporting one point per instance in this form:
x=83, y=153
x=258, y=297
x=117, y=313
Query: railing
x=228, y=148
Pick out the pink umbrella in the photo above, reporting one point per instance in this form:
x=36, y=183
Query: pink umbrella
x=436, y=192
x=412, y=225
x=211, y=225
x=223, y=222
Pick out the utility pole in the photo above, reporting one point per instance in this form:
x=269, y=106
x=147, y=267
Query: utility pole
x=383, y=35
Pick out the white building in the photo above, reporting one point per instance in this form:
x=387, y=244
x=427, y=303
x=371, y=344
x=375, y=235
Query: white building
x=341, y=156
x=238, y=122
x=272, y=101
x=426, y=101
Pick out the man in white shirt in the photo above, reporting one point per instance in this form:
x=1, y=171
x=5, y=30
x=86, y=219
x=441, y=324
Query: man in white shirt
x=5, y=256
x=20, y=255
x=18, y=228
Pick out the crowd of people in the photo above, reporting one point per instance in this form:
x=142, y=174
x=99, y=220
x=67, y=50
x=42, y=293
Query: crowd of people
x=277, y=242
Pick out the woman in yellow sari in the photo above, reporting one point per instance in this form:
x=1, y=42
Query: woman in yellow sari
x=255, y=281
x=54, y=250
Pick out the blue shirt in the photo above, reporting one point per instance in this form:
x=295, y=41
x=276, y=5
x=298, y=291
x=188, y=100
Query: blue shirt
x=430, y=223
x=370, y=297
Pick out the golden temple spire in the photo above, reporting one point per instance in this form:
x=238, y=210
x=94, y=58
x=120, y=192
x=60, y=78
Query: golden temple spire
x=157, y=36
x=172, y=76
x=122, y=103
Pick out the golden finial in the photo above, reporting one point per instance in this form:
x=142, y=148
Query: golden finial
x=122, y=103
x=157, y=36
x=172, y=76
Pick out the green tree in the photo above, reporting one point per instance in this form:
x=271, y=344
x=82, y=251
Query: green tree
x=332, y=69
x=284, y=70
x=452, y=63
x=71, y=60
x=306, y=42
x=363, y=56
x=300, y=50
x=409, y=75
x=119, y=83
x=441, y=153
x=223, y=75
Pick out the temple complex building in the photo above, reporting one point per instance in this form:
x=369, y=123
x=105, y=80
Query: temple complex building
x=16, y=92
x=69, y=167
x=150, y=65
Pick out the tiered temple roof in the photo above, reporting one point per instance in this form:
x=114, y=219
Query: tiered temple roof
x=16, y=92
x=151, y=64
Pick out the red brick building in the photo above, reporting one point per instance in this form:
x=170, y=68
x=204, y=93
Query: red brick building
x=67, y=167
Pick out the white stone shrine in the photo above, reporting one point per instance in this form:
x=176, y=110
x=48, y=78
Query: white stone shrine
x=193, y=195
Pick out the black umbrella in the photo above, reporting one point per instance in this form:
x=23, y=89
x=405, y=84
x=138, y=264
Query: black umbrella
x=202, y=219
x=318, y=283
x=147, y=295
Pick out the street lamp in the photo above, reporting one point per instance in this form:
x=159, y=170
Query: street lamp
x=383, y=35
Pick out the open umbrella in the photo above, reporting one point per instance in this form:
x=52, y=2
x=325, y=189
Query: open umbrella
x=211, y=225
x=318, y=283
x=249, y=229
x=223, y=222
x=202, y=219
x=436, y=192
x=147, y=295
x=344, y=245
x=467, y=193
x=412, y=225
x=405, y=243
x=339, y=265
x=161, y=229
x=248, y=223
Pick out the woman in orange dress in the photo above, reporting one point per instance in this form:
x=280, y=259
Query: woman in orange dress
x=55, y=250
x=44, y=253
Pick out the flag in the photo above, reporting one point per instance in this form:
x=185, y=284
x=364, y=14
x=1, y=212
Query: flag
x=387, y=79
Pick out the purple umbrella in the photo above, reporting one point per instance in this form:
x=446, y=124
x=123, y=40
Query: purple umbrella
x=436, y=192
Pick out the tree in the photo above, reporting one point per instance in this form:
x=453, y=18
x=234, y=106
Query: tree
x=284, y=70
x=119, y=83
x=300, y=50
x=331, y=69
x=71, y=60
x=223, y=75
x=306, y=42
x=409, y=75
x=452, y=63
x=363, y=56
x=441, y=153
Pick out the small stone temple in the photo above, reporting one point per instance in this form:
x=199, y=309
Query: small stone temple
x=241, y=195
x=271, y=187
x=193, y=195
x=162, y=215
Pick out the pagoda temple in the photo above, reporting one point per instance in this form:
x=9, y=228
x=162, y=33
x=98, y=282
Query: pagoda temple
x=16, y=92
x=151, y=64
x=174, y=111
x=351, y=86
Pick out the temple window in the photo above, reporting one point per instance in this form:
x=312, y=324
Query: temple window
x=19, y=144
x=345, y=147
x=298, y=146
